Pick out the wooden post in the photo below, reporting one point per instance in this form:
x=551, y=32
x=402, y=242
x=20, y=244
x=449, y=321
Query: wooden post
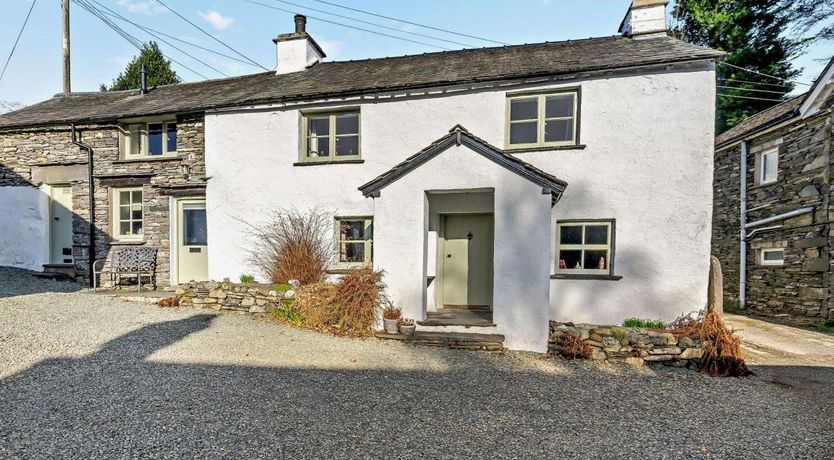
x=65, y=7
x=715, y=288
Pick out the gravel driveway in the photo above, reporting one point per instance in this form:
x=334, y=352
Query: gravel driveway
x=89, y=376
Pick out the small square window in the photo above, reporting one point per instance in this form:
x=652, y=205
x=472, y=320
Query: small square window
x=584, y=247
x=128, y=213
x=354, y=241
x=542, y=120
x=768, y=167
x=331, y=136
x=773, y=256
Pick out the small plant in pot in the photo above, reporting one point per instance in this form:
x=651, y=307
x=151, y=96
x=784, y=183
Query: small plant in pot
x=407, y=326
x=391, y=318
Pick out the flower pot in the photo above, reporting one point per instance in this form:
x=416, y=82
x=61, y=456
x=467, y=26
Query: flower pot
x=407, y=329
x=390, y=325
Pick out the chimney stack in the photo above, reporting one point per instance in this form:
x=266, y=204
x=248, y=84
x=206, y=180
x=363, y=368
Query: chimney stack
x=297, y=51
x=645, y=19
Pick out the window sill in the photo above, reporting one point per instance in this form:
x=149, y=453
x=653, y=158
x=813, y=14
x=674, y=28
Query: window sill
x=344, y=271
x=330, y=162
x=146, y=159
x=512, y=150
x=127, y=242
x=578, y=276
x=763, y=185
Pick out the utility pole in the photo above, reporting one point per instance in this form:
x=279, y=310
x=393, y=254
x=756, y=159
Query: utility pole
x=65, y=6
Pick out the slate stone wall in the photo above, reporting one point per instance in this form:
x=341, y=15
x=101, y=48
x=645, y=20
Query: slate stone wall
x=798, y=292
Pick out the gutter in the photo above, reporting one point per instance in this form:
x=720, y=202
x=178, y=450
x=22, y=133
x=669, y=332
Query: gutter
x=92, y=227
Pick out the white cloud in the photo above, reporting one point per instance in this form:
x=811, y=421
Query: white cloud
x=217, y=20
x=331, y=48
x=146, y=7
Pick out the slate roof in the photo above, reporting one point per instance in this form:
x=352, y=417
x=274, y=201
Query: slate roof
x=458, y=135
x=762, y=120
x=364, y=77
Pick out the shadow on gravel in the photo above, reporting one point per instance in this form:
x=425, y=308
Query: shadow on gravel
x=18, y=281
x=115, y=403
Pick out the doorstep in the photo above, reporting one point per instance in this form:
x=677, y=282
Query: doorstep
x=458, y=340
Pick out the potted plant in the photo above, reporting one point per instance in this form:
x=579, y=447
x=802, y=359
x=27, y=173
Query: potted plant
x=390, y=318
x=407, y=326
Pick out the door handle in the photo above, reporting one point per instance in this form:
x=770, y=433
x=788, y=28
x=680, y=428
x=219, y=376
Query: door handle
x=448, y=256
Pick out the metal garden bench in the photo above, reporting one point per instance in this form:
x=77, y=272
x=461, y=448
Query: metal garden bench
x=128, y=261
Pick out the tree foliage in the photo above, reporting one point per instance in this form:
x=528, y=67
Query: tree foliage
x=814, y=19
x=159, y=71
x=752, y=33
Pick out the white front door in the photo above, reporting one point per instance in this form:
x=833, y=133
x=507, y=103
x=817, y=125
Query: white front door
x=191, y=240
x=60, y=224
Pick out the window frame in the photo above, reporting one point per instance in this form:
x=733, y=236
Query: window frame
x=610, y=246
x=115, y=207
x=771, y=263
x=136, y=132
x=369, y=242
x=762, y=161
x=304, y=150
x=541, y=119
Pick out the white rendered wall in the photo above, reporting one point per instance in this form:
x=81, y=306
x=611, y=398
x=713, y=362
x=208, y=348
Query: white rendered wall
x=24, y=229
x=295, y=55
x=647, y=163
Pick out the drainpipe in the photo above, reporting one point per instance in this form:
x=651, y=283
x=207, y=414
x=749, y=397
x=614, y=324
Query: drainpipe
x=742, y=242
x=92, y=248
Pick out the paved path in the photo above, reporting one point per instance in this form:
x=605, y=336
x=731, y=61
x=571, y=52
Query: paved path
x=774, y=344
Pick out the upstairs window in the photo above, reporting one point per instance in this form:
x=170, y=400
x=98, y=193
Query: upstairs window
x=767, y=164
x=149, y=140
x=331, y=136
x=355, y=239
x=542, y=120
x=585, y=247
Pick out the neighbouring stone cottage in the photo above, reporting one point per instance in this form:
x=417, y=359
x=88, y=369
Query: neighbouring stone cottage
x=785, y=153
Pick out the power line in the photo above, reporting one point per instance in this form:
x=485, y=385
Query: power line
x=762, y=74
x=376, y=24
x=754, y=90
x=756, y=82
x=411, y=23
x=210, y=35
x=349, y=26
x=19, y=34
x=751, y=98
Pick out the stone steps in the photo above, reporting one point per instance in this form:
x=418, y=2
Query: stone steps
x=457, y=340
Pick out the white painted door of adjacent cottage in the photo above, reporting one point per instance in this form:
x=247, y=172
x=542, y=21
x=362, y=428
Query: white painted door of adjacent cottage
x=192, y=240
x=60, y=224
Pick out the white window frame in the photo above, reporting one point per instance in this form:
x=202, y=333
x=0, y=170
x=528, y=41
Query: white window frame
x=541, y=119
x=609, y=246
x=763, y=261
x=116, y=207
x=331, y=136
x=369, y=230
x=134, y=139
x=761, y=174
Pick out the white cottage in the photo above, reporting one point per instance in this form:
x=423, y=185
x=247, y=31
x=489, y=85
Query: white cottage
x=498, y=188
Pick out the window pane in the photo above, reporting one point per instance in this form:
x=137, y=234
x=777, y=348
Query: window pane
x=596, y=260
x=523, y=133
x=137, y=227
x=352, y=252
x=319, y=147
x=570, y=234
x=124, y=212
x=347, y=145
x=172, y=137
x=769, y=166
x=524, y=109
x=155, y=139
x=570, y=259
x=559, y=106
x=347, y=124
x=352, y=230
x=195, y=232
x=318, y=126
x=124, y=228
x=558, y=130
x=596, y=234
x=124, y=198
x=136, y=214
x=773, y=255
x=137, y=197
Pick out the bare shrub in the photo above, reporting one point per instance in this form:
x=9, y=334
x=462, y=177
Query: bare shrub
x=348, y=307
x=572, y=346
x=292, y=244
x=168, y=302
x=722, y=347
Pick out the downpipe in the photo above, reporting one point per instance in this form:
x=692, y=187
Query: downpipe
x=742, y=243
x=92, y=229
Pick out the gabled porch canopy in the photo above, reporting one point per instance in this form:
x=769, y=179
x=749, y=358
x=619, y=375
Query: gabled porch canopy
x=458, y=135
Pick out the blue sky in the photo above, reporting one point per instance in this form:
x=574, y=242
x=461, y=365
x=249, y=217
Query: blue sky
x=99, y=54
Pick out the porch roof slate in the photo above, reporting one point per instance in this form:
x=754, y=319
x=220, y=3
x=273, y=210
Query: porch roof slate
x=459, y=135
x=346, y=78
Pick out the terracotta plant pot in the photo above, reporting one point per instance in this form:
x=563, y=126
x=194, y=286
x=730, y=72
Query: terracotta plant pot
x=407, y=329
x=390, y=325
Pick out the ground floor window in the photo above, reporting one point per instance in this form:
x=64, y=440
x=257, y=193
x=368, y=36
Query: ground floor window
x=584, y=247
x=773, y=256
x=128, y=213
x=355, y=239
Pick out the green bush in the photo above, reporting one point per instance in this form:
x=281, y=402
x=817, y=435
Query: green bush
x=644, y=323
x=247, y=279
x=619, y=333
x=282, y=287
x=286, y=312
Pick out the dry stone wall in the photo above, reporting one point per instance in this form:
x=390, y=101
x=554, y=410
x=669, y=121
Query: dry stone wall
x=225, y=295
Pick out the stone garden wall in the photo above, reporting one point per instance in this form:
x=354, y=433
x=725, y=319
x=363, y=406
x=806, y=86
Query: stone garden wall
x=225, y=295
x=635, y=346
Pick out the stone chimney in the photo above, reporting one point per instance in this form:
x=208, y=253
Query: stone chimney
x=645, y=19
x=297, y=50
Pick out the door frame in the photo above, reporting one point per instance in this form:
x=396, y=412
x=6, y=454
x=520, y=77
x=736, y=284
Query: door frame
x=50, y=188
x=441, y=259
x=173, y=234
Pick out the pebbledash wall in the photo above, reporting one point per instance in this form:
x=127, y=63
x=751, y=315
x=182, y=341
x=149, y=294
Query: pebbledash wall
x=800, y=291
x=31, y=157
x=646, y=161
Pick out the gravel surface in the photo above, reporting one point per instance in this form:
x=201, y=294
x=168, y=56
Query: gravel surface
x=91, y=376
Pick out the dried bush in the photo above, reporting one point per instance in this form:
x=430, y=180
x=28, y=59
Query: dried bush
x=573, y=346
x=722, y=348
x=168, y=302
x=348, y=307
x=292, y=244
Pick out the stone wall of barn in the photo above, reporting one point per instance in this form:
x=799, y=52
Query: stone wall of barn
x=798, y=292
